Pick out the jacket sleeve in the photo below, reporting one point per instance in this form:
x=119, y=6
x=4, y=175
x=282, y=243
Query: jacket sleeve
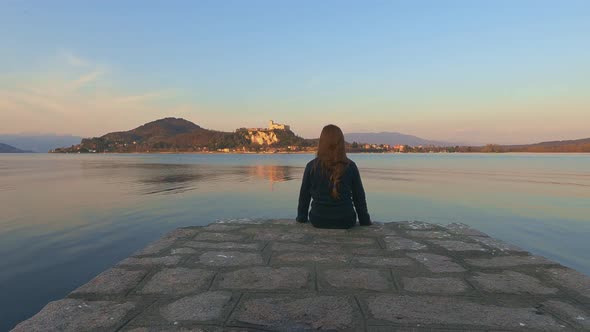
x=358, y=197
x=304, y=195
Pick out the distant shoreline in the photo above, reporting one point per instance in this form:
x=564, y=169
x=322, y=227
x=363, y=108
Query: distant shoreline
x=301, y=152
x=177, y=135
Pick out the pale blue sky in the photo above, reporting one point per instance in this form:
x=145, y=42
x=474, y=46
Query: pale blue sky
x=468, y=71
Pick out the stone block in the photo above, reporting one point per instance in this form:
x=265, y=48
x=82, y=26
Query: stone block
x=316, y=257
x=462, y=229
x=182, y=233
x=217, y=236
x=248, y=222
x=416, y=225
x=374, y=230
x=178, y=281
x=430, y=310
x=279, y=246
x=457, y=245
x=308, y=229
x=437, y=263
x=230, y=258
x=571, y=279
x=418, y=328
x=297, y=314
x=510, y=282
x=151, y=261
x=370, y=252
x=112, y=281
x=77, y=315
x=207, y=306
x=257, y=229
x=266, y=278
x=156, y=247
x=446, y=285
x=283, y=222
x=183, y=251
x=348, y=240
x=429, y=234
x=279, y=236
x=400, y=243
x=224, y=245
x=569, y=313
x=222, y=228
x=496, y=244
x=176, y=329
x=508, y=261
x=357, y=278
x=382, y=261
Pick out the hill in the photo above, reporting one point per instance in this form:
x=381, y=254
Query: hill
x=568, y=146
x=39, y=142
x=180, y=135
x=392, y=138
x=5, y=148
x=578, y=145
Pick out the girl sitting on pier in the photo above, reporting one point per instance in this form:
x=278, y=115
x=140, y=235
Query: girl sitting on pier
x=334, y=183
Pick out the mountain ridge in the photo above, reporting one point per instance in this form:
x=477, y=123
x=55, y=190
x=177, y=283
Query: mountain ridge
x=392, y=138
x=5, y=148
x=38, y=142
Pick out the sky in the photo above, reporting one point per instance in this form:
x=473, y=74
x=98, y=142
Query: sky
x=459, y=71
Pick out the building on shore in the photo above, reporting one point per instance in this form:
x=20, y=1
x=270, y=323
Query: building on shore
x=400, y=148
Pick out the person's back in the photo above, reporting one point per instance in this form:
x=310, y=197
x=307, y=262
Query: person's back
x=333, y=182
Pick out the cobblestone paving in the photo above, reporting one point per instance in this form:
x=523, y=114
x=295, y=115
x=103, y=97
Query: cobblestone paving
x=283, y=276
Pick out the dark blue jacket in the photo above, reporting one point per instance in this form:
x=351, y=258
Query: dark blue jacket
x=326, y=211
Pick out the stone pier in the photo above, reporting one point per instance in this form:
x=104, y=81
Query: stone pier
x=279, y=275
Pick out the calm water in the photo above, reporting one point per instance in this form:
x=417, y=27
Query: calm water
x=66, y=218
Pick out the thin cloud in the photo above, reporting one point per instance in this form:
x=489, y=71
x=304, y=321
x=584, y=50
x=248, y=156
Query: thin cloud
x=33, y=102
x=86, y=79
x=78, y=95
x=73, y=59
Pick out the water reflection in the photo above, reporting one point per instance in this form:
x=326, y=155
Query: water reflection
x=166, y=179
x=272, y=173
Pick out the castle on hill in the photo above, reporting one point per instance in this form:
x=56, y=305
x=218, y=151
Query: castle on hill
x=264, y=136
x=271, y=126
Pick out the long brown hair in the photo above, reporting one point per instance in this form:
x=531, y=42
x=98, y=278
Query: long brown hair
x=332, y=156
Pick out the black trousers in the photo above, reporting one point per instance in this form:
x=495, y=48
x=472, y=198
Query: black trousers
x=339, y=222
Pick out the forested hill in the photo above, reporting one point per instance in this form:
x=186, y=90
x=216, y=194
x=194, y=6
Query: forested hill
x=578, y=145
x=180, y=135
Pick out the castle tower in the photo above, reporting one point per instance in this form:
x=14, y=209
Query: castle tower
x=273, y=125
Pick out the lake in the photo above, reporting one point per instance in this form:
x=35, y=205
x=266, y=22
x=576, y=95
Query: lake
x=66, y=218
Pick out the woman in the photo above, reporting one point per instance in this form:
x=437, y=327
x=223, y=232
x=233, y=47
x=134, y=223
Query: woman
x=334, y=183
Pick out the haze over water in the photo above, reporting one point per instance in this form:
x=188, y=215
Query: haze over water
x=66, y=218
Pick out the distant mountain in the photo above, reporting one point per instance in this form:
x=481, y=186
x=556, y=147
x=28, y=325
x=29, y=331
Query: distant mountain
x=40, y=142
x=5, y=148
x=180, y=135
x=391, y=138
